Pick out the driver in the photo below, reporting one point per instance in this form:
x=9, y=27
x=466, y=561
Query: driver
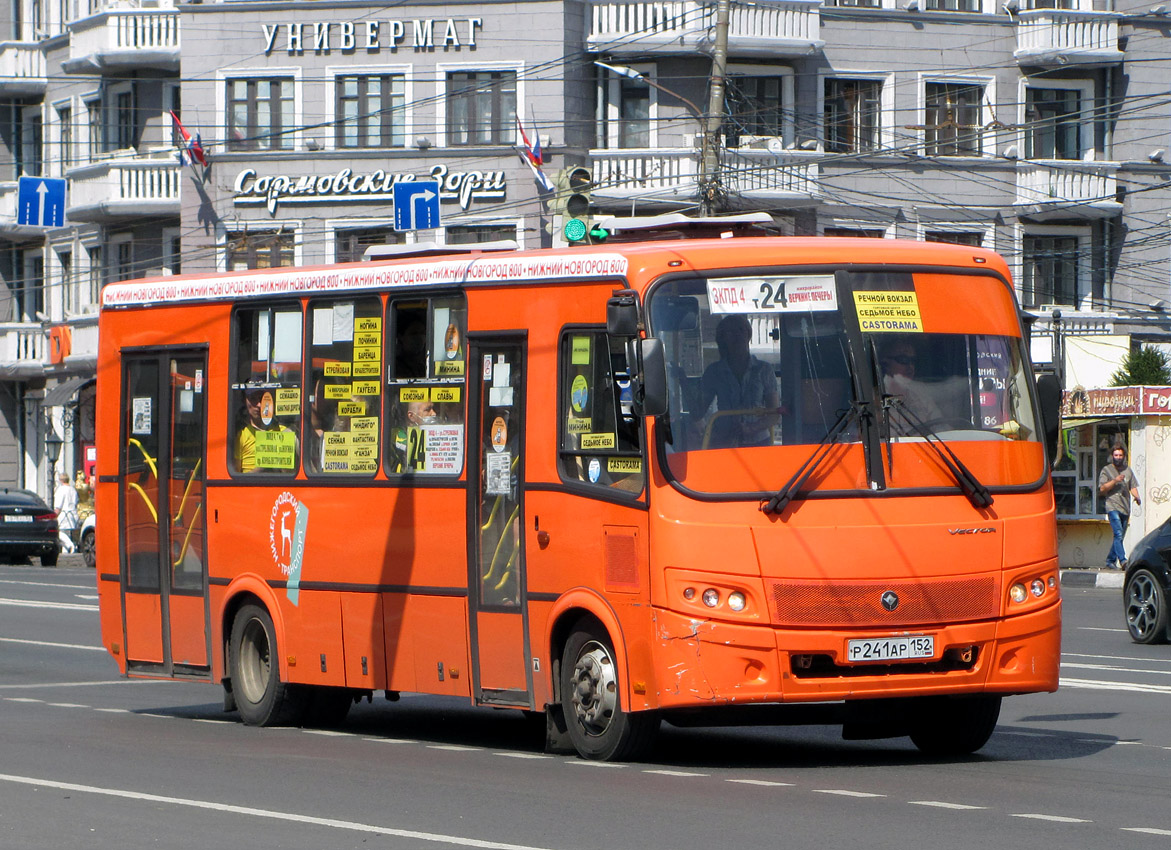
x=738, y=381
x=897, y=360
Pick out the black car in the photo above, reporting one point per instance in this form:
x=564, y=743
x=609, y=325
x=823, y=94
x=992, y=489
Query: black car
x=27, y=527
x=1148, y=586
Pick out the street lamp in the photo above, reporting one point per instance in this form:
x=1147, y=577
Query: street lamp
x=53, y=445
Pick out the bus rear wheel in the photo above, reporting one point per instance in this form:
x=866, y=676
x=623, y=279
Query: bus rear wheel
x=954, y=726
x=592, y=704
x=261, y=697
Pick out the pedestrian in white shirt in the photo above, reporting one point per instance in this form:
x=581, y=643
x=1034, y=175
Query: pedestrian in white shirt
x=65, y=504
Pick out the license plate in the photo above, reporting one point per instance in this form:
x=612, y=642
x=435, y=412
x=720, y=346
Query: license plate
x=890, y=649
x=17, y=518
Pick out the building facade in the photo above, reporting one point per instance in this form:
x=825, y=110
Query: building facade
x=1038, y=128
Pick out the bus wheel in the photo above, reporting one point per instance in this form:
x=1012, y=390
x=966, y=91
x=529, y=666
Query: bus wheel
x=261, y=697
x=954, y=726
x=591, y=701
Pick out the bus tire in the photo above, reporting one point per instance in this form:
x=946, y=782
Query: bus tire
x=954, y=726
x=598, y=727
x=261, y=697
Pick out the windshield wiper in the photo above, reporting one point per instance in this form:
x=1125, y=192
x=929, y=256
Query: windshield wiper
x=976, y=492
x=787, y=493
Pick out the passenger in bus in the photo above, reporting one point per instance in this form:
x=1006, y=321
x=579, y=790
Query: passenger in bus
x=743, y=387
x=897, y=358
x=408, y=456
x=255, y=415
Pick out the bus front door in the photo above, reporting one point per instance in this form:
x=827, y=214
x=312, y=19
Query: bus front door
x=164, y=574
x=496, y=581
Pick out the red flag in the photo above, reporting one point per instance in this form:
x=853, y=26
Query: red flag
x=192, y=144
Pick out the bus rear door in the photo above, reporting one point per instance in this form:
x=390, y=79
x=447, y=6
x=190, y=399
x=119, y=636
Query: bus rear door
x=161, y=488
x=496, y=580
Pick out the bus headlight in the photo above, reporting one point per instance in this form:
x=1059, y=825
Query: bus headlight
x=736, y=601
x=1037, y=588
x=1017, y=592
x=711, y=597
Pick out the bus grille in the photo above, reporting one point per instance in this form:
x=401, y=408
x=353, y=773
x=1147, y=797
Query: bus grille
x=859, y=604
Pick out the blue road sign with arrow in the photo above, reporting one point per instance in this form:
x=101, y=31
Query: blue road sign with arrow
x=416, y=205
x=40, y=201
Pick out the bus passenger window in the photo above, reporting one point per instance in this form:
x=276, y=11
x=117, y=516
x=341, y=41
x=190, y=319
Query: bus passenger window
x=266, y=391
x=345, y=380
x=425, y=422
x=601, y=436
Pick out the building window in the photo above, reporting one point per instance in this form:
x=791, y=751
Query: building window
x=1050, y=266
x=468, y=234
x=65, y=123
x=350, y=245
x=956, y=237
x=755, y=107
x=29, y=147
x=260, y=114
x=952, y=121
x=371, y=111
x=93, y=112
x=124, y=129
x=96, y=274
x=853, y=110
x=1052, y=127
x=68, y=288
x=481, y=107
x=172, y=251
x=954, y=5
x=855, y=232
x=253, y=250
x=124, y=258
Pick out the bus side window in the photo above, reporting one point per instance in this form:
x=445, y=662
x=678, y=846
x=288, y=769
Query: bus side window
x=601, y=437
x=266, y=390
x=425, y=420
x=345, y=386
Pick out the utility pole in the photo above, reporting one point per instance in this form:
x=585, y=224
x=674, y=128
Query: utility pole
x=709, y=166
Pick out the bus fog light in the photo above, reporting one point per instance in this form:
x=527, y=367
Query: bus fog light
x=1037, y=587
x=1052, y=582
x=689, y=593
x=1017, y=593
x=736, y=601
x=711, y=598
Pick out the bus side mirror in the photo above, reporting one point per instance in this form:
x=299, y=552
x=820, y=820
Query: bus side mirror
x=622, y=314
x=650, y=393
x=1049, y=399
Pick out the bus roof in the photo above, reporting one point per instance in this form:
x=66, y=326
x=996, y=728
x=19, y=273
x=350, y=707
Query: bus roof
x=629, y=260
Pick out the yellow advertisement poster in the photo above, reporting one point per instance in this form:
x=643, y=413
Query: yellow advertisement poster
x=449, y=368
x=337, y=391
x=367, y=370
x=888, y=312
x=367, y=339
x=336, y=369
x=444, y=394
x=406, y=394
x=371, y=354
x=598, y=441
x=364, y=424
x=288, y=402
x=367, y=388
x=368, y=323
x=276, y=449
x=577, y=425
x=351, y=408
x=580, y=354
x=623, y=464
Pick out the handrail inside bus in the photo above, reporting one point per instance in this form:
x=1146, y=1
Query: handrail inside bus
x=187, y=490
x=149, y=504
x=187, y=536
x=150, y=461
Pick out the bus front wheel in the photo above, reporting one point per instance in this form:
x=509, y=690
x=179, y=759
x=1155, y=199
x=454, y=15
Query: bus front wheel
x=592, y=704
x=954, y=726
x=261, y=697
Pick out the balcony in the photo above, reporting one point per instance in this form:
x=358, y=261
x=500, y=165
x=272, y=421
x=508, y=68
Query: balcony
x=764, y=28
x=124, y=40
x=670, y=177
x=9, y=229
x=1056, y=37
x=119, y=189
x=1066, y=189
x=22, y=350
x=22, y=70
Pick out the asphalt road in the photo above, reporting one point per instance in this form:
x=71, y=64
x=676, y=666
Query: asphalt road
x=88, y=760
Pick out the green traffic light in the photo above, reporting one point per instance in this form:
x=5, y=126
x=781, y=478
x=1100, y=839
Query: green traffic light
x=574, y=230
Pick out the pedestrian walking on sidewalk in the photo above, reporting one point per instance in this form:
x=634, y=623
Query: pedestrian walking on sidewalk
x=65, y=503
x=1117, y=483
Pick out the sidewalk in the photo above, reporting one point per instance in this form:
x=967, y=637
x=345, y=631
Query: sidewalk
x=1092, y=577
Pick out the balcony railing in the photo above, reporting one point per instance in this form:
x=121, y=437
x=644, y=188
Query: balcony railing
x=22, y=348
x=671, y=176
x=760, y=28
x=1067, y=189
x=1065, y=37
x=124, y=39
x=22, y=69
x=113, y=189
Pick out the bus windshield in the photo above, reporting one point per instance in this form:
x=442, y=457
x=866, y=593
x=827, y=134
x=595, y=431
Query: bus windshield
x=774, y=366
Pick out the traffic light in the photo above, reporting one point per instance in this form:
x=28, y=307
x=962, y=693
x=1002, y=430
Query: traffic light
x=572, y=203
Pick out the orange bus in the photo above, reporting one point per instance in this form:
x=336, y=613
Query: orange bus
x=709, y=481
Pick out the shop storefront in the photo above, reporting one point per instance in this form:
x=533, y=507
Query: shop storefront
x=1093, y=422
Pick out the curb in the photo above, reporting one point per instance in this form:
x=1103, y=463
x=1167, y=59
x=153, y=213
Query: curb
x=1111, y=579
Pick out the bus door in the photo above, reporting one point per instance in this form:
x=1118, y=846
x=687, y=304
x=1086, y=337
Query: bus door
x=161, y=472
x=496, y=581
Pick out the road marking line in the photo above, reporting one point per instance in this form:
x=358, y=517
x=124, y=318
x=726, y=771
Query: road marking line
x=114, y=710
x=54, y=645
x=1065, y=655
x=1053, y=818
x=22, y=699
x=524, y=755
x=676, y=773
x=1149, y=830
x=149, y=714
x=1114, y=669
x=455, y=748
x=588, y=763
x=87, y=596
x=213, y=720
x=843, y=793
x=941, y=804
x=391, y=740
x=271, y=814
x=45, y=584
x=329, y=733
x=1090, y=684
x=764, y=782
x=1098, y=629
x=77, y=684
x=68, y=705
x=60, y=606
